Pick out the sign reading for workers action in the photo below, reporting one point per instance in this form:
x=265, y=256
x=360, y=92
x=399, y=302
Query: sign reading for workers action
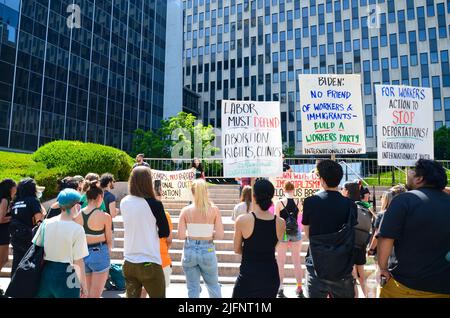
x=251, y=139
x=174, y=185
x=306, y=184
x=332, y=116
x=404, y=124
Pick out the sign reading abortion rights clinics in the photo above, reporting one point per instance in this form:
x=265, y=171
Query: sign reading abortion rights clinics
x=332, y=116
x=404, y=124
x=174, y=185
x=251, y=139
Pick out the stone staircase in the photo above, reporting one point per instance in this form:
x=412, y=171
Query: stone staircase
x=225, y=197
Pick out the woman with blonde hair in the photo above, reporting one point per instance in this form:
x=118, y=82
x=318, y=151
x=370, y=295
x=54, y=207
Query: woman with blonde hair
x=200, y=224
x=245, y=205
x=386, y=200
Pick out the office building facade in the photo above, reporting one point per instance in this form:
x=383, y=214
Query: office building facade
x=89, y=70
x=255, y=50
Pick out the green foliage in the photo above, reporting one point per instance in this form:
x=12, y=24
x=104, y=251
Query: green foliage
x=180, y=134
x=80, y=158
x=18, y=166
x=289, y=152
x=442, y=143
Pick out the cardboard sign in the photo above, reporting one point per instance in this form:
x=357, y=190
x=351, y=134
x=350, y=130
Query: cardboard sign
x=174, y=185
x=306, y=184
x=404, y=124
x=332, y=116
x=251, y=139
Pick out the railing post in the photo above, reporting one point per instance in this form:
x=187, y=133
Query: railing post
x=393, y=175
x=379, y=176
x=346, y=173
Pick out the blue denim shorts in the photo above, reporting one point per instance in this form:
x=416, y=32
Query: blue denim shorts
x=98, y=260
x=292, y=238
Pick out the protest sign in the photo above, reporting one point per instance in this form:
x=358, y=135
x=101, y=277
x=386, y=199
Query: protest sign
x=306, y=184
x=331, y=114
x=251, y=139
x=404, y=124
x=174, y=185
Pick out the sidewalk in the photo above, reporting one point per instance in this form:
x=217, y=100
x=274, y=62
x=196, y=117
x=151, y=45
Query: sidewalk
x=174, y=291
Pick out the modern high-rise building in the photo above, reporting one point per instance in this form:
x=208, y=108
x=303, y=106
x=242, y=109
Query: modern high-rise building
x=255, y=50
x=89, y=70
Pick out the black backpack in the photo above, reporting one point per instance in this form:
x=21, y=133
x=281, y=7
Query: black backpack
x=332, y=254
x=291, y=221
x=364, y=227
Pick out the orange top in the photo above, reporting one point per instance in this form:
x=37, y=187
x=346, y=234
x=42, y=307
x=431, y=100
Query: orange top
x=165, y=257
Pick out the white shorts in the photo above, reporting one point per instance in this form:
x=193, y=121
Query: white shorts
x=167, y=272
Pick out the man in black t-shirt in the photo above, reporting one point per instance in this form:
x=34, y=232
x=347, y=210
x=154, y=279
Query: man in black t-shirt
x=417, y=223
x=286, y=167
x=325, y=213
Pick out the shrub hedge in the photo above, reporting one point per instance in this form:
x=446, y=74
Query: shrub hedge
x=80, y=158
x=58, y=159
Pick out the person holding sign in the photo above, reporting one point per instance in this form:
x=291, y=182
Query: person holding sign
x=256, y=237
x=197, y=167
x=203, y=223
x=289, y=209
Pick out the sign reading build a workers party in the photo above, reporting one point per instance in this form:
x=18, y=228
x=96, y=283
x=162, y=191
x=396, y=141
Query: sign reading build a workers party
x=331, y=114
x=404, y=124
x=174, y=185
x=306, y=184
x=251, y=139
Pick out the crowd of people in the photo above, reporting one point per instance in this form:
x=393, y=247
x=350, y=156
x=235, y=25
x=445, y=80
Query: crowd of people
x=409, y=238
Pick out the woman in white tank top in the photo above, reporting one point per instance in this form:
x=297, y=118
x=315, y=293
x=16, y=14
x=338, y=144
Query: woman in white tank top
x=200, y=223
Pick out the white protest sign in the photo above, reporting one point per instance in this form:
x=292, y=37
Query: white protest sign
x=174, y=185
x=306, y=184
x=251, y=139
x=332, y=116
x=404, y=124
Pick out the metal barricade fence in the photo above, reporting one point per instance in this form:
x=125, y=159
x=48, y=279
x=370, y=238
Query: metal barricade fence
x=354, y=168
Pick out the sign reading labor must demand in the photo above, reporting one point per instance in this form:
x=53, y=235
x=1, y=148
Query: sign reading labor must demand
x=404, y=124
x=174, y=185
x=332, y=116
x=306, y=184
x=251, y=139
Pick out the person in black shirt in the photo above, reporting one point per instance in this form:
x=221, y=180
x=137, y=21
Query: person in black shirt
x=417, y=223
x=327, y=212
x=26, y=212
x=197, y=167
x=8, y=189
x=140, y=161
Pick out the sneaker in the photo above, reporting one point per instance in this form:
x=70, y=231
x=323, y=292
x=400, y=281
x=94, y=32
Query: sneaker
x=281, y=294
x=299, y=293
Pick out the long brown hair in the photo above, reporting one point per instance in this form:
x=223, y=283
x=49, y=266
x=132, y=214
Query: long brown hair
x=140, y=183
x=246, y=196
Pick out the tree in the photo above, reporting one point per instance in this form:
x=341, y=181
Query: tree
x=442, y=143
x=180, y=135
x=289, y=152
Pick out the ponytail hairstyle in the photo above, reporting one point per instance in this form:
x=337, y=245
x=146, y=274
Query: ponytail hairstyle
x=90, y=177
x=289, y=186
x=200, y=193
x=93, y=190
x=247, y=196
x=263, y=192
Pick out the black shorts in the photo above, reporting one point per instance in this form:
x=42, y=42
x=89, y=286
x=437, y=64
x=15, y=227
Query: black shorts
x=4, y=234
x=359, y=256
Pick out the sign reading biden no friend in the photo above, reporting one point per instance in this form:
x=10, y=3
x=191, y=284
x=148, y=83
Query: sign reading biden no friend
x=332, y=116
x=251, y=139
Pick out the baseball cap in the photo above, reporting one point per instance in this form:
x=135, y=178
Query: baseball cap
x=68, y=198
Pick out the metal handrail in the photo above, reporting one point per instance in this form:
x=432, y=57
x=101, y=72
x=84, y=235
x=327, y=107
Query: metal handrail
x=359, y=177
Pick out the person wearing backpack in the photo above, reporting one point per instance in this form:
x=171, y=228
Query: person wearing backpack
x=289, y=209
x=328, y=221
x=363, y=232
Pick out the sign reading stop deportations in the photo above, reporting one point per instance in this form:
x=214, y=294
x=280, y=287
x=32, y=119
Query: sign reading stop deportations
x=332, y=116
x=251, y=139
x=404, y=124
